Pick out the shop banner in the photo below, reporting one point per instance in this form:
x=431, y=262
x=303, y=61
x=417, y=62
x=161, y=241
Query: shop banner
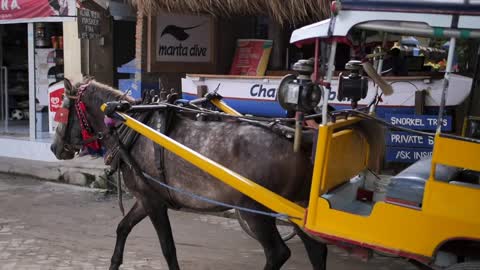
x=184, y=38
x=18, y=11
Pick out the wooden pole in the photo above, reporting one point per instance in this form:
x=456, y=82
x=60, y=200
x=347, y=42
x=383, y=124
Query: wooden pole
x=276, y=33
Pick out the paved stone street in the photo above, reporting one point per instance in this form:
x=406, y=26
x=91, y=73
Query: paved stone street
x=46, y=225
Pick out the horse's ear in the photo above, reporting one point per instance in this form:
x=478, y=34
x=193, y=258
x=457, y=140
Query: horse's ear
x=68, y=86
x=88, y=79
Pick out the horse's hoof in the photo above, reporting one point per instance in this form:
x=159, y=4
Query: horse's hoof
x=114, y=266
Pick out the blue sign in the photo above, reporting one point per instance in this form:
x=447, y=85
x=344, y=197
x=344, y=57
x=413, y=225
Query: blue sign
x=419, y=122
x=131, y=85
x=254, y=107
x=406, y=155
x=407, y=139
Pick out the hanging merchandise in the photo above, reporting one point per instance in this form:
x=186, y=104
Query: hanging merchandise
x=41, y=39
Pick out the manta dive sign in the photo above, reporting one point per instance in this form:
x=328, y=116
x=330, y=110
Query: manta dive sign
x=183, y=38
x=20, y=11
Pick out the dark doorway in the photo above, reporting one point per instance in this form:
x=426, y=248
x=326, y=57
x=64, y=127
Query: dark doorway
x=14, y=79
x=123, y=47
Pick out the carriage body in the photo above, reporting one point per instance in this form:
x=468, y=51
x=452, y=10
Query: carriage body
x=447, y=214
x=426, y=211
x=432, y=214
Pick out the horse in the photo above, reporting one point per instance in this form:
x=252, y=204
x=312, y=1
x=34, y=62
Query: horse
x=257, y=153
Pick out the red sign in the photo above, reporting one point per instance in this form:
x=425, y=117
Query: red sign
x=56, y=99
x=251, y=57
x=62, y=115
x=29, y=10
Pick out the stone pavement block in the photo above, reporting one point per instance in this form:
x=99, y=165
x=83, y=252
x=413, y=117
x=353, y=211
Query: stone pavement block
x=76, y=178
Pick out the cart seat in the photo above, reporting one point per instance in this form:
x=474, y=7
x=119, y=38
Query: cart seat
x=407, y=187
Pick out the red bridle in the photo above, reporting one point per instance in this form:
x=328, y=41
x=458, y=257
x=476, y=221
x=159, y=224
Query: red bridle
x=90, y=141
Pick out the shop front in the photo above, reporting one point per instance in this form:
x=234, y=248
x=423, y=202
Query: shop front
x=32, y=72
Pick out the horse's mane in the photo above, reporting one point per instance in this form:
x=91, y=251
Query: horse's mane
x=97, y=93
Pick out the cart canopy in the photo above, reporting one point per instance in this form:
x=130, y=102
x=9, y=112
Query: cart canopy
x=423, y=6
x=398, y=16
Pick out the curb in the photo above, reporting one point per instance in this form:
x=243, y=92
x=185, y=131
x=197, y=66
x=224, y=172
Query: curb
x=83, y=171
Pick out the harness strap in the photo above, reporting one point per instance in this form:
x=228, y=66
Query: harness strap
x=83, y=143
x=124, y=156
x=93, y=144
x=119, y=192
x=96, y=137
x=162, y=125
x=215, y=202
x=126, y=137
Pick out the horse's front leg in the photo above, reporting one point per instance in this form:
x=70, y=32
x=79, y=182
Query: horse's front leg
x=135, y=215
x=161, y=222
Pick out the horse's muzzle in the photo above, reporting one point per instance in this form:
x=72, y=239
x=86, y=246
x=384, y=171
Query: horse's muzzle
x=62, y=154
x=53, y=148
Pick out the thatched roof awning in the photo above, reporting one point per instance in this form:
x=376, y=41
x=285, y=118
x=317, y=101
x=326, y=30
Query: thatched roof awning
x=283, y=11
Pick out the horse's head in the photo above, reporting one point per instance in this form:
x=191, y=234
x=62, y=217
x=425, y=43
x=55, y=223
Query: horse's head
x=68, y=135
x=83, y=124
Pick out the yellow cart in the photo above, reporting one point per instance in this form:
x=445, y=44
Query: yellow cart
x=428, y=214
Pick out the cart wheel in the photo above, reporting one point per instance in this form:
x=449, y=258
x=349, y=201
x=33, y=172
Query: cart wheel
x=286, y=230
x=465, y=266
